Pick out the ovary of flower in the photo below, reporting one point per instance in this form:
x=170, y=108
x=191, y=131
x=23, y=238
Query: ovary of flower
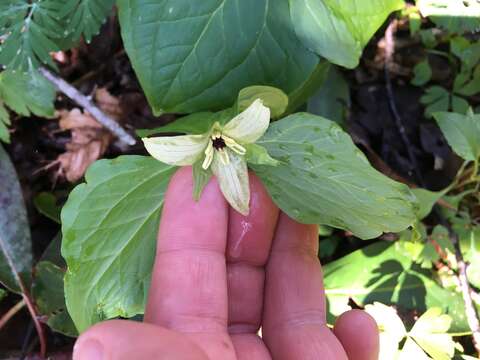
x=219, y=142
x=222, y=149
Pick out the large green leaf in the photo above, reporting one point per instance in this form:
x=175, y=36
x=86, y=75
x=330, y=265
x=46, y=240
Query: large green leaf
x=109, y=227
x=454, y=15
x=324, y=179
x=15, y=242
x=338, y=30
x=386, y=273
x=462, y=133
x=332, y=100
x=197, y=55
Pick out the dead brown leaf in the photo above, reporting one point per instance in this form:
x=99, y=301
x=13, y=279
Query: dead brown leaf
x=89, y=139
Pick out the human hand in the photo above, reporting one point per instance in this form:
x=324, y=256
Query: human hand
x=219, y=277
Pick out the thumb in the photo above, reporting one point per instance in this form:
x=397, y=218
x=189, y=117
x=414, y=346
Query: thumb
x=122, y=340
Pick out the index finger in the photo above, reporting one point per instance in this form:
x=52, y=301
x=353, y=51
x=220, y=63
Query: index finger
x=189, y=286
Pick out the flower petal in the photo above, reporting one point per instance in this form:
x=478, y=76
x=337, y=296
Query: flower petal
x=249, y=125
x=176, y=150
x=233, y=180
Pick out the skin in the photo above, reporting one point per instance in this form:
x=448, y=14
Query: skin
x=219, y=277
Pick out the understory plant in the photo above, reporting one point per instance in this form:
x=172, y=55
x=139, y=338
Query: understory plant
x=238, y=74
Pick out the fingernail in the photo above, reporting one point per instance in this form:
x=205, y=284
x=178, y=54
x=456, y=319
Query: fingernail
x=91, y=349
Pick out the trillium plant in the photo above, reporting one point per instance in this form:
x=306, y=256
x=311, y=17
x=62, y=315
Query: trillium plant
x=241, y=75
x=224, y=150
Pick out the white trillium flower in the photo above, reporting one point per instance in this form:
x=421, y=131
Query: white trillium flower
x=222, y=149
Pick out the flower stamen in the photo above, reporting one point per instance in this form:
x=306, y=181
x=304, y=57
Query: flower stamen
x=224, y=158
x=232, y=144
x=208, y=155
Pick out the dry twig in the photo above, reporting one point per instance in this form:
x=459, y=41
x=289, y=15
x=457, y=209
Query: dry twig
x=10, y=313
x=89, y=106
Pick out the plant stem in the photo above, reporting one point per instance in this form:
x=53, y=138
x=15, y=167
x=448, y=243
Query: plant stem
x=26, y=299
x=389, y=51
x=88, y=105
x=10, y=313
x=472, y=316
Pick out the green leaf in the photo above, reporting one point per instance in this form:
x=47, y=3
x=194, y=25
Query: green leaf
x=328, y=245
x=3, y=293
x=430, y=332
x=332, y=100
x=426, y=200
x=468, y=84
x=428, y=38
x=459, y=105
x=109, y=227
x=47, y=290
x=27, y=93
x=24, y=93
x=273, y=98
x=258, y=155
x=470, y=246
x=339, y=31
x=15, y=242
x=467, y=52
x=33, y=29
x=387, y=273
x=197, y=123
x=414, y=22
x=30, y=30
x=46, y=204
x=412, y=351
x=301, y=95
x=422, y=73
x=454, y=15
x=390, y=326
x=462, y=133
x=83, y=17
x=201, y=177
x=53, y=252
x=436, y=98
x=196, y=56
x=4, y=122
x=323, y=178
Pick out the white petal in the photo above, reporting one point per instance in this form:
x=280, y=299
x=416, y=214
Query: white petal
x=249, y=125
x=233, y=180
x=176, y=150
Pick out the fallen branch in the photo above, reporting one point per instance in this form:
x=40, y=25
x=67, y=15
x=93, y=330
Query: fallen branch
x=11, y=313
x=89, y=106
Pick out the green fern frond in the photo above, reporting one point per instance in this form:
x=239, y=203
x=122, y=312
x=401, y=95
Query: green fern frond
x=4, y=123
x=31, y=30
x=26, y=94
x=30, y=34
x=85, y=17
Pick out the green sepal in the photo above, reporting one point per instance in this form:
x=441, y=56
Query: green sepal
x=201, y=177
x=258, y=155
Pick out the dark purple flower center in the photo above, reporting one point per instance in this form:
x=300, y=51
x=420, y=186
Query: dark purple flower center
x=218, y=143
